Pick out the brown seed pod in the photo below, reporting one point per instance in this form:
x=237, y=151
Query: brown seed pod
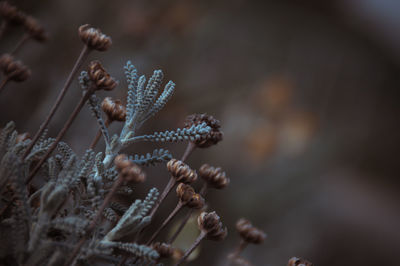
x=99, y=76
x=114, y=110
x=249, y=233
x=22, y=137
x=189, y=197
x=181, y=171
x=35, y=30
x=211, y=138
x=121, y=161
x=164, y=250
x=14, y=70
x=214, y=176
x=128, y=170
x=11, y=13
x=299, y=262
x=94, y=38
x=212, y=225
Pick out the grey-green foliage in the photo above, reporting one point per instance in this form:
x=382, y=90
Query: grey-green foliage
x=48, y=218
x=134, y=219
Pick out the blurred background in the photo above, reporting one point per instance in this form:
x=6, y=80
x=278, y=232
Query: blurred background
x=307, y=94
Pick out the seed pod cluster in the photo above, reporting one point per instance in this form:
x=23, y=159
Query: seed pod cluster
x=14, y=70
x=214, y=176
x=164, y=250
x=35, y=30
x=128, y=170
x=249, y=233
x=211, y=224
x=11, y=13
x=213, y=137
x=299, y=262
x=181, y=171
x=100, y=78
x=114, y=109
x=94, y=38
x=189, y=197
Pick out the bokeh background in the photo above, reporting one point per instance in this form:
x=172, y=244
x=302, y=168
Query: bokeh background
x=307, y=93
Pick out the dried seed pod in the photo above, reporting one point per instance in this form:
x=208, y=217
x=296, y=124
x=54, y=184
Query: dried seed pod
x=181, y=171
x=133, y=174
x=99, y=76
x=211, y=138
x=164, y=250
x=11, y=13
x=189, y=197
x=35, y=30
x=122, y=161
x=211, y=224
x=128, y=170
x=249, y=233
x=214, y=177
x=299, y=262
x=114, y=110
x=94, y=38
x=22, y=137
x=14, y=70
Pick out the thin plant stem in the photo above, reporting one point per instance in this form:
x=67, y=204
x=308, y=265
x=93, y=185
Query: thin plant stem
x=166, y=221
x=20, y=43
x=93, y=223
x=61, y=134
x=3, y=84
x=83, y=55
x=171, y=183
x=190, y=250
x=202, y=192
x=3, y=27
x=99, y=133
x=242, y=245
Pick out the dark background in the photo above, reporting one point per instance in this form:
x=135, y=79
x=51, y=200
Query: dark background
x=307, y=94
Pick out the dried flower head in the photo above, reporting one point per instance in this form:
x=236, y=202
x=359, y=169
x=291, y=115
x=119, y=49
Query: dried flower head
x=128, y=170
x=164, y=250
x=11, y=13
x=99, y=76
x=249, y=233
x=214, y=176
x=114, y=109
x=22, y=137
x=299, y=262
x=94, y=38
x=35, y=30
x=181, y=171
x=189, y=197
x=211, y=224
x=14, y=70
x=213, y=137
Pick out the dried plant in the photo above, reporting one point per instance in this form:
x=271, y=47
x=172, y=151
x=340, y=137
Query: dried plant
x=61, y=208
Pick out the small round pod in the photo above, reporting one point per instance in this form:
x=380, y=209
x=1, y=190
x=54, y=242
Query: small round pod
x=164, y=250
x=211, y=224
x=213, y=137
x=100, y=78
x=14, y=70
x=181, y=171
x=114, y=109
x=214, y=176
x=249, y=233
x=94, y=38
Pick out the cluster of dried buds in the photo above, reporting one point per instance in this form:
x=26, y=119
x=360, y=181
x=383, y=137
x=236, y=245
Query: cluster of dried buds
x=213, y=176
x=114, y=109
x=128, y=170
x=249, y=233
x=213, y=137
x=94, y=38
x=181, y=171
x=210, y=223
x=14, y=70
x=188, y=197
x=100, y=78
x=16, y=17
